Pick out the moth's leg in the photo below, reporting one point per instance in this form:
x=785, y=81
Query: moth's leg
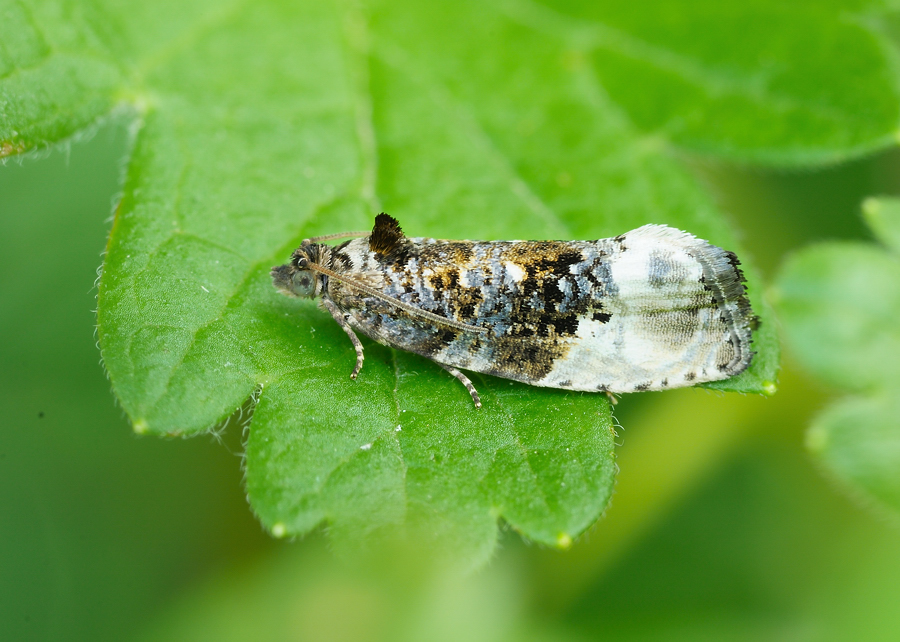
x=341, y=321
x=464, y=380
x=612, y=398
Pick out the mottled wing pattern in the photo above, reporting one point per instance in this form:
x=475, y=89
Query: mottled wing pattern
x=647, y=310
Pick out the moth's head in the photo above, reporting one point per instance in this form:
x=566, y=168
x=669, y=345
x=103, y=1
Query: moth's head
x=295, y=278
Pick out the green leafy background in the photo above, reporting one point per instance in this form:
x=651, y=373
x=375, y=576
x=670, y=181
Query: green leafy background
x=245, y=128
x=846, y=295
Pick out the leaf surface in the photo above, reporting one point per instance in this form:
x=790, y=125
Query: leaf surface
x=748, y=81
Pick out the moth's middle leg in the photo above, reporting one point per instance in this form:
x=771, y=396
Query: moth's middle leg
x=341, y=321
x=464, y=380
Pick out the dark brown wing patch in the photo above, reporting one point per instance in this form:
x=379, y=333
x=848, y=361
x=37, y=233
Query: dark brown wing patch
x=386, y=235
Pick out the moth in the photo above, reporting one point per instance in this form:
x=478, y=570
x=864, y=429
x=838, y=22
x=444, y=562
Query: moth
x=651, y=309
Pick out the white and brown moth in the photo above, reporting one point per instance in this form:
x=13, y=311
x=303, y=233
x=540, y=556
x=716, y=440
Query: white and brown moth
x=651, y=309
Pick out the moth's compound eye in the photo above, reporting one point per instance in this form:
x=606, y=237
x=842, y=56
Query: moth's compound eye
x=302, y=263
x=304, y=284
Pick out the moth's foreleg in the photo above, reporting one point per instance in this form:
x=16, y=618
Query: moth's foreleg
x=341, y=321
x=464, y=380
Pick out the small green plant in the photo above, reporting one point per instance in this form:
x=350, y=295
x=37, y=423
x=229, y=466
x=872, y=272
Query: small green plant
x=840, y=306
x=259, y=124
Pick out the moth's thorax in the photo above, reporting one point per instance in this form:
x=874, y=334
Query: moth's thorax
x=352, y=260
x=318, y=253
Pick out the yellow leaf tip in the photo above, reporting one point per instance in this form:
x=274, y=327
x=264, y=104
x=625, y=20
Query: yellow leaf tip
x=279, y=530
x=9, y=148
x=563, y=541
x=769, y=388
x=140, y=426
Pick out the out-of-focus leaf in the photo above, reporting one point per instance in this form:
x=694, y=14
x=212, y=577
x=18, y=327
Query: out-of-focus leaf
x=747, y=80
x=883, y=216
x=840, y=305
x=858, y=438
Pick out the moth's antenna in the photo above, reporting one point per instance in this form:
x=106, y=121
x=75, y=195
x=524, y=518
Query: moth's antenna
x=305, y=264
x=332, y=237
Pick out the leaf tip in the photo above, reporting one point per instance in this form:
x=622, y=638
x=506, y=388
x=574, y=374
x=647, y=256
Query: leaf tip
x=140, y=426
x=9, y=148
x=141, y=101
x=563, y=541
x=279, y=530
x=769, y=388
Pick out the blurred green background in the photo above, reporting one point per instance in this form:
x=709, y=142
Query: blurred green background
x=731, y=534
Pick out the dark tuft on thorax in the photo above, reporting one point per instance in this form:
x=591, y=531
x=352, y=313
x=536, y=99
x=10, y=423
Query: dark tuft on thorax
x=386, y=235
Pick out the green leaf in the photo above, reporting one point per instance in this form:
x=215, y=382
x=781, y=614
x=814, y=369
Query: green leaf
x=56, y=77
x=259, y=125
x=858, y=439
x=542, y=460
x=883, y=216
x=785, y=83
x=840, y=304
